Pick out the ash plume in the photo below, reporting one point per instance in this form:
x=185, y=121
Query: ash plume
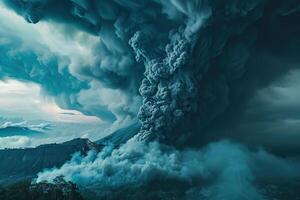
x=202, y=60
x=195, y=64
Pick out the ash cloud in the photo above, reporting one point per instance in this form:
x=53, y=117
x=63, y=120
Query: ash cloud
x=197, y=65
x=202, y=60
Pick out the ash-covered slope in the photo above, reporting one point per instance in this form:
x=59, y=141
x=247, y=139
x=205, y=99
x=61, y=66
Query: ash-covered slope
x=19, y=164
x=120, y=136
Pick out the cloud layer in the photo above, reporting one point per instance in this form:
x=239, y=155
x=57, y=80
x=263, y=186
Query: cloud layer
x=203, y=60
x=15, y=142
x=54, y=60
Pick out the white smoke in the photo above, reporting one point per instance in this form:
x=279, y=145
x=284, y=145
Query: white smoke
x=227, y=170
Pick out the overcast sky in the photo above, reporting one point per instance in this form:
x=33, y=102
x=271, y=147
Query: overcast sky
x=47, y=74
x=26, y=98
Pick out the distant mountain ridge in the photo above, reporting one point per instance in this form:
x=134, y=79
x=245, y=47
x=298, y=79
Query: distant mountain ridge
x=22, y=128
x=15, y=131
x=19, y=164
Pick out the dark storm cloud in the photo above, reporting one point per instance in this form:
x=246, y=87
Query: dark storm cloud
x=28, y=65
x=203, y=60
x=203, y=63
x=270, y=119
x=39, y=66
x=114, y=66
x=206, y=77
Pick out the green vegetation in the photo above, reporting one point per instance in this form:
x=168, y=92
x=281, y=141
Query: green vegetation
x=59, y=190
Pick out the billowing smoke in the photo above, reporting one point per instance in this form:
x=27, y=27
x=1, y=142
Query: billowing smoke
x=202, y=61
x=205, y=72
x=221, y=170
x=168, y=89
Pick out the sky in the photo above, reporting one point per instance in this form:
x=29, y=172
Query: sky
x=23, y=105
x=66, y=70
x=25, y=98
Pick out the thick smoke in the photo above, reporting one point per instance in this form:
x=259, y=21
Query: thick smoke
x=221, y=170
x=202, y=60
x=168, y=89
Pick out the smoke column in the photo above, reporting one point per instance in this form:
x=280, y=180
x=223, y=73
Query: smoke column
x=200, y=58
x=196, y=63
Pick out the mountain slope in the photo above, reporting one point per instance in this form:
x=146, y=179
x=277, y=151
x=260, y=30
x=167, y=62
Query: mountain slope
x=120, y=136
x=17, y=164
